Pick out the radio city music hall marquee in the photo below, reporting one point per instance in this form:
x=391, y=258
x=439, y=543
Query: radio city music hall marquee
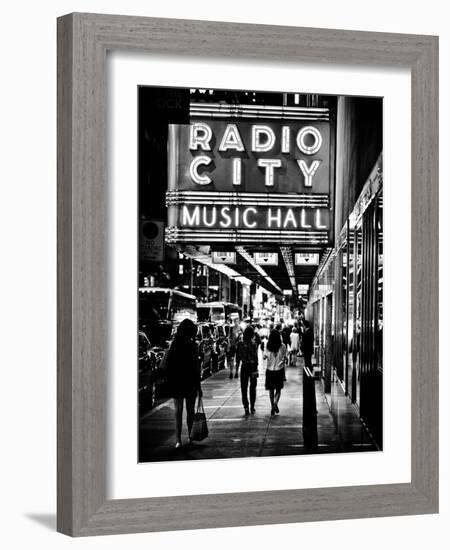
x=250, y=174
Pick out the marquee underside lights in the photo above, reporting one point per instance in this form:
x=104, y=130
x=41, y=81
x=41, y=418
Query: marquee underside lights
x=286, y=252
x=207, y=260
x=241, y=250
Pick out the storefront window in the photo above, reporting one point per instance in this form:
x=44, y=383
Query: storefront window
x=357, y=317
x=344, y=268
x=341, y=311
x=379, y=336
x=351, y=378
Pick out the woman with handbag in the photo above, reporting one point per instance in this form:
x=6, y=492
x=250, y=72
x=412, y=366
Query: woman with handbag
x=247, y=357
x=183, y=375
x=276, y=358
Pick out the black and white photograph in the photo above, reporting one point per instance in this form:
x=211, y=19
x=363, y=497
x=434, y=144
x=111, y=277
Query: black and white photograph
x=260, y=291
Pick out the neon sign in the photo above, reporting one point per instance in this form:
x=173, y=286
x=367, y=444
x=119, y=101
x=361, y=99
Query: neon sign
x=248, y=175
x=233, y=217
x=308, y=140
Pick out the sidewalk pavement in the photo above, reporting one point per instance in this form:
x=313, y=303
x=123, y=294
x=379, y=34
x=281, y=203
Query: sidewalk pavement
x=233, y=435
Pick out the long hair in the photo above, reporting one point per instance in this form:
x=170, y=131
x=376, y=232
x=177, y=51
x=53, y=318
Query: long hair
x=248, y=334
x=186, y=331
x=182, y=350
x=274, y=342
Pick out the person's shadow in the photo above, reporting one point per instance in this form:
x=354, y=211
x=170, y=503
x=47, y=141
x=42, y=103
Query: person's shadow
x=47, y=520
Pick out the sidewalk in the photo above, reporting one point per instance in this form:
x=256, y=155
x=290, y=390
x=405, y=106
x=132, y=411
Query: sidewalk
x=232, y=434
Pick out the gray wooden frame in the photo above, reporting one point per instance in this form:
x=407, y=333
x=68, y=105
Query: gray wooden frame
x=83, y=40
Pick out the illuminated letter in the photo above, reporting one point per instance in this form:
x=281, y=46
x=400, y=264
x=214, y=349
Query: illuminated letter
x=318, y=224
x=200, y=136
x=269, y=165
x=244, y=217
x=303, y=223
x=190, y=220
x=285, y=139
x=213, y=216
x=236, y=217
x=309, y=149
x=237, y=171
x=195, y=176
x=259, y=147
x=308, y=172
x=224, y=213
x=289, y=218
x=276, y=218
x=231, y=139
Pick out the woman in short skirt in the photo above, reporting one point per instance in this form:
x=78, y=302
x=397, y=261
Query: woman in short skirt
x=275, y=354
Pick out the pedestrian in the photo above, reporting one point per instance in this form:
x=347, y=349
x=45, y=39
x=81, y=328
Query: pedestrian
x=285, y=335
x=307, y=345
x=183, y=375
x=293, y=349
x=233, y=338
x=257, y=337
x=230, y=354
x=247, y=357
x=263, y=334
x=276, y=357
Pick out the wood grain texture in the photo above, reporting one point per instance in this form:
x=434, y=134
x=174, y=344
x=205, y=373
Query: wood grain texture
x=64, y=336
x=425, y=272
x=83, y=40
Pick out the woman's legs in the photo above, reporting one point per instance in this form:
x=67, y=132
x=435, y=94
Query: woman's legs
x=253, y=382
x=230, y=362
x=271, y=395
x=244, y=390
x=178, y=403
x=276, y=399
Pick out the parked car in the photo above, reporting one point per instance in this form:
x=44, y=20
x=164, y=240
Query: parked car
x=205, y=348
x=155, y=338
x=219, y=345
x=147, y=374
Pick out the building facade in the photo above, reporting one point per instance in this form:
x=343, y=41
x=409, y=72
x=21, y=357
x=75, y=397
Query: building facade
x=345, y=302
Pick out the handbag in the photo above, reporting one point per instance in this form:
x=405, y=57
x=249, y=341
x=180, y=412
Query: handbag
x=199, y=430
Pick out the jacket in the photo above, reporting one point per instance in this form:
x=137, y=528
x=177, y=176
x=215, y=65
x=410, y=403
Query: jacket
x=307, y=346
x=248, y=354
